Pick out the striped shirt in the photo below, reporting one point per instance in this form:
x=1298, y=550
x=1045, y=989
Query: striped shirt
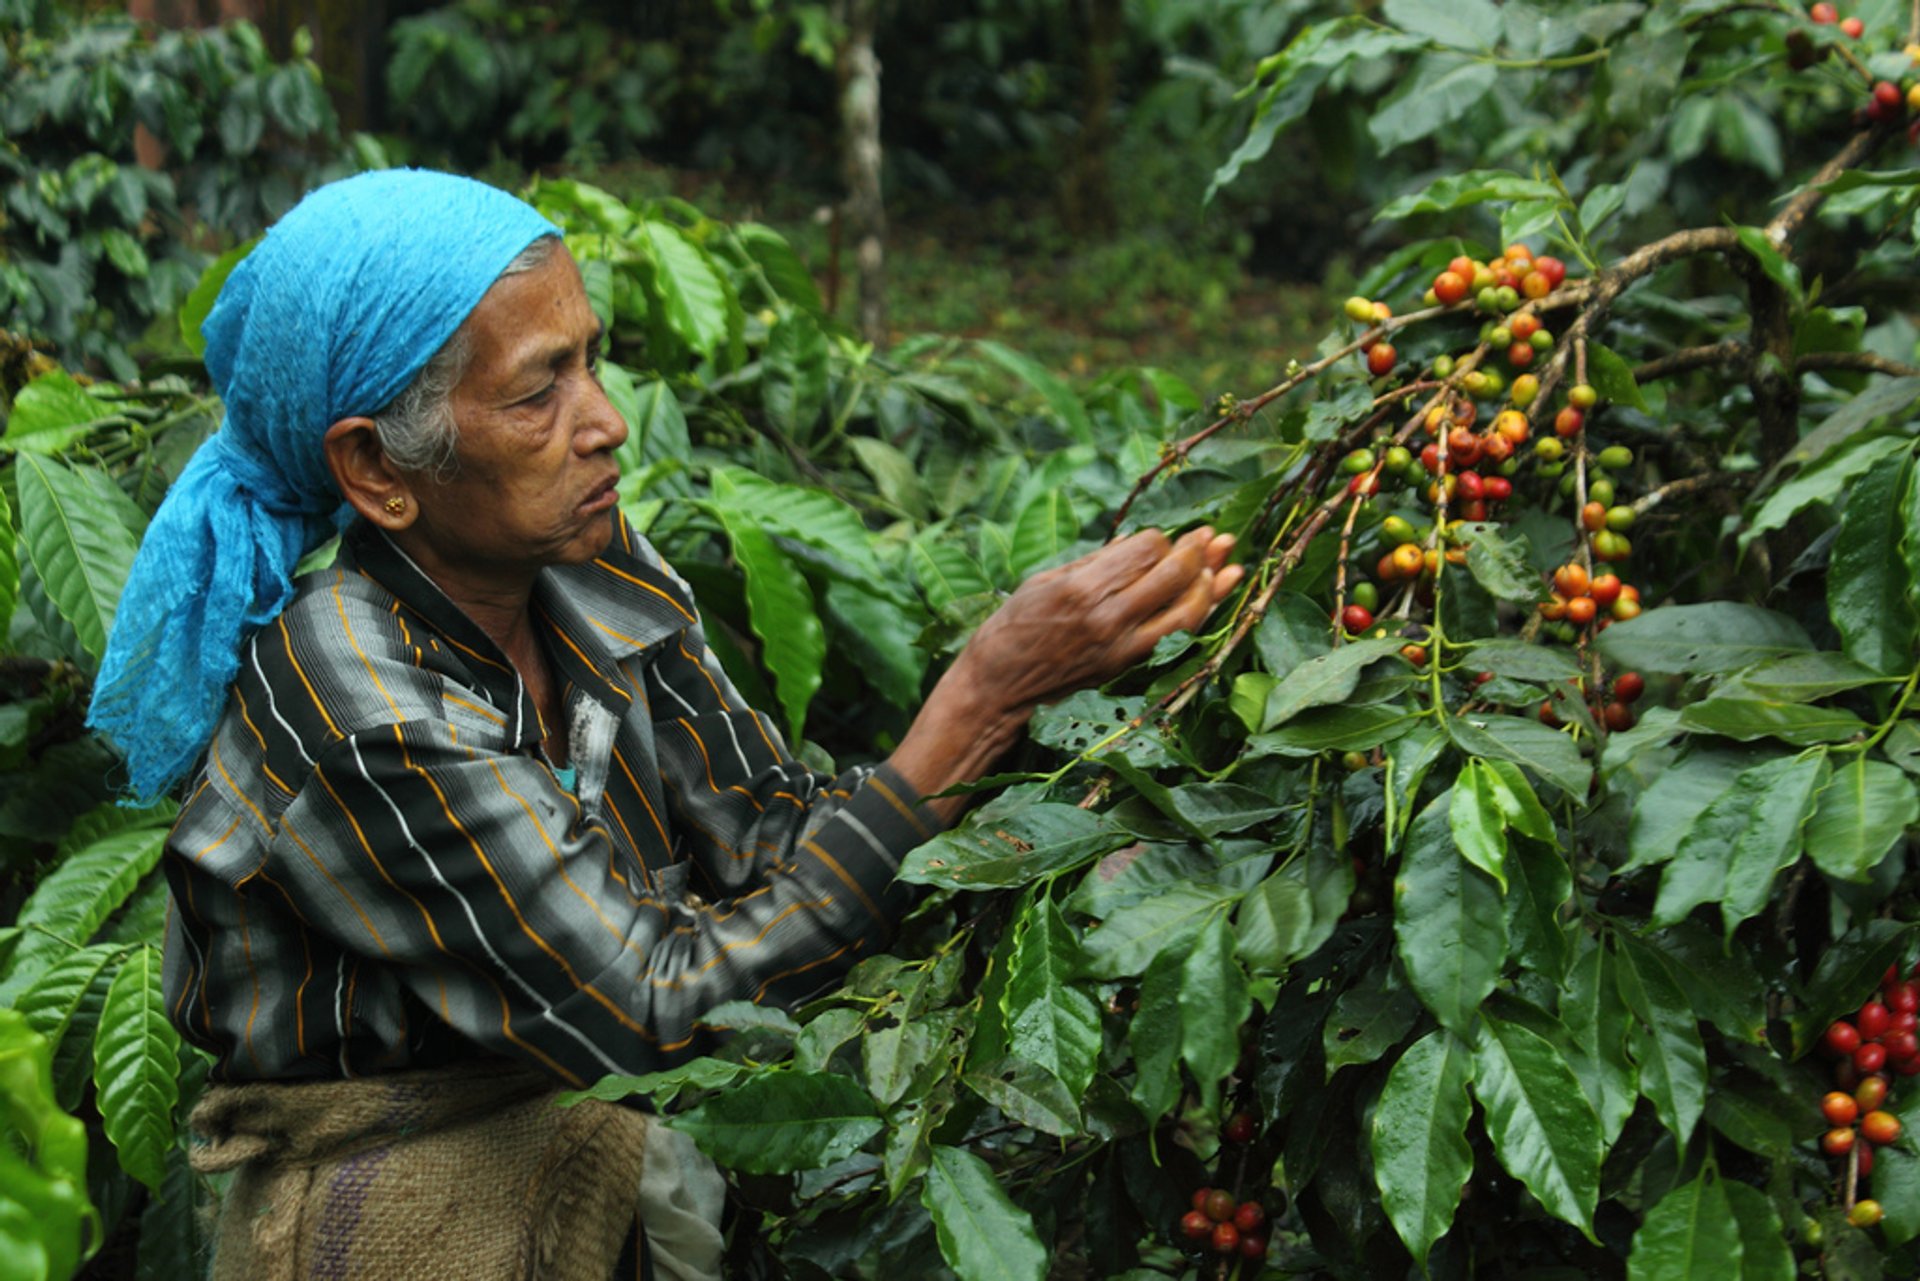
x=378, y=867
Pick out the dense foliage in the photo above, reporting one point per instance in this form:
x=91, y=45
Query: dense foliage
x=1498, y=930
x=94, y=247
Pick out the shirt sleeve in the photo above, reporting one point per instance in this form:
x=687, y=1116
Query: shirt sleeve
x=508, y=912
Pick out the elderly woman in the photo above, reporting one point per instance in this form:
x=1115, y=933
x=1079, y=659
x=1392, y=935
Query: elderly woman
x=477, y=813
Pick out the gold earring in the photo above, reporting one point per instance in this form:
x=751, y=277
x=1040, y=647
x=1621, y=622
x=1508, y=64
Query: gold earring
x=396, y=505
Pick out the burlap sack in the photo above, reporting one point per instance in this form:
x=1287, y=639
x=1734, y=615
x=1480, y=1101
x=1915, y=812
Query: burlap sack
x=468, y=1173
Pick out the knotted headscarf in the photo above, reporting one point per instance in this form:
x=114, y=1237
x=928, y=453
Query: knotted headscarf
x=331, y=316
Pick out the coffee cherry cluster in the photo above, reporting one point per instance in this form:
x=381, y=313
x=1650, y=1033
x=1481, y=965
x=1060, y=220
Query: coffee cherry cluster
x=1225, y=1226
x=1826, y=15
x=1880, y=1042
x=1615, y=711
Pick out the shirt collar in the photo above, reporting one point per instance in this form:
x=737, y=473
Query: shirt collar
x=616, y=605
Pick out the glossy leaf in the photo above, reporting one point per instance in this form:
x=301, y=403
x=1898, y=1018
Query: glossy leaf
x=136, y=1066
x=1213, y=1003
x=1026, y=1094
x=1665, y=1042
x=1051, y=1022
x=780, y=607
x=1421, y=1160
x=1337, y=729
x=1045, y=529
x=1800, y=678
x=983, y=1235
x=778, y=1122
x=1697, y=640
x=1831, y=479
x=82, y=554
x=1668, y=809
x=1525, y=742
x=64, y=1005
x=1747, y=719
x=1861, y=813
x=75, y=899
x=1544, y=1131
x=1540, y=885
x=1479, y=829
x=1325, y=680
x=793, y=375
x=1449, y=920
x=1867, y=577
x=1741, y=840
x=1272, y=924
x=1691, y=1233
x=1538, y=664
x=1596, y=1020
x=1849, y=965
x=1519, y=807
x=692, y=296
x=1501, y=566
x=1154, y=1037
x=1368, y=1019
x=1441, y=89
x=51, y=412
x=1012, y=849
x=1127, y=941
x=9, y=562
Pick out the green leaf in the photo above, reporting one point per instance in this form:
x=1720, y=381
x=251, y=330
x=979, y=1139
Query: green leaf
x=1861, y=813
x=783, y=269
x=1368, y=1019
x=893, y=473
x=1213, y=1003
x=1521, y=661
x=1878, y=401
x=1044, y=530
x=52, y=412
x=1272, y=924
x=1473, y=25
x=692, y=296
x=1051, y=1022
x=944, y=572
x=1849, y=965
x=1800, y=678
x=780, y=608
x=893, y=1058
x=1501, y=566
x=1596, y=1021
x=1544, y=1131
x=661, y=1088
x=1059, y=397
x=1691, y=1233
x=1825, y=482
x=1027, y=1094
x=1612, y=377
x=793, y=375
x=1421, y=1160
x=1526, y=742
x=64, y=1004
x=1519, y=806
x=136, y=1066
x=1896, y=1184
x=1472, y=187
x=76, y=898
x=81, y=552
x=1867, y=578
x=1325, y=680
x=1154, y=1036
x=1769, y=839
x=1479, y=830
x=806, y=515
x=193, y=312
x=983, y=1235
x=9, y=563
x=1667, y=810
x=1540, y=886
x=1779, y=268
x=1698, y=640
x=1751, y=824
x=1126, y=942
x=1449, y=921
x=1336, y=729
x=778, y=1122
x=1009, y=850
x=1764, y=1252
x=1666, y=1042
x=1441, y=88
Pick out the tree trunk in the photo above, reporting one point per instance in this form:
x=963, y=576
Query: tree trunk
x=859, y=75
x=1086, y=194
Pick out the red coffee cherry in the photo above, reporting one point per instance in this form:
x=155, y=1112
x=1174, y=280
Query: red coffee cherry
x=1839, y=1108
x=1843, y=1038
x=1195, y=1225
x=1872, y=1020
x=1249, y=1216
x=1226, y=1238
x=1870, y=1057
x=1219, y=1206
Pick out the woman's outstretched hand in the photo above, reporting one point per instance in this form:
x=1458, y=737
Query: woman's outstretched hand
x=1066, y=629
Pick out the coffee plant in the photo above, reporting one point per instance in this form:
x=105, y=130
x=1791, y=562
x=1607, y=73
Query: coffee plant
x=1512, y=879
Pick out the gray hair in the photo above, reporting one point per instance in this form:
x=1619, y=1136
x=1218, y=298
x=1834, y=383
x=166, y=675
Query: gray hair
x=416, y=429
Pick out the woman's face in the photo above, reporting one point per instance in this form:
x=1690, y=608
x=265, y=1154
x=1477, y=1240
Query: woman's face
x=536, y=472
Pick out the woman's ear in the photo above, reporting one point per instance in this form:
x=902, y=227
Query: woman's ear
x=368, y=480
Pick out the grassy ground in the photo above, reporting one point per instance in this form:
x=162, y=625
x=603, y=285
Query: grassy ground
x=1147, y=295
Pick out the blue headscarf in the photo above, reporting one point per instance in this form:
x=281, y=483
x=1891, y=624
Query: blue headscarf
x=330, y=317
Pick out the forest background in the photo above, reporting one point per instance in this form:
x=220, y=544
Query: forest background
x=1509, y=882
